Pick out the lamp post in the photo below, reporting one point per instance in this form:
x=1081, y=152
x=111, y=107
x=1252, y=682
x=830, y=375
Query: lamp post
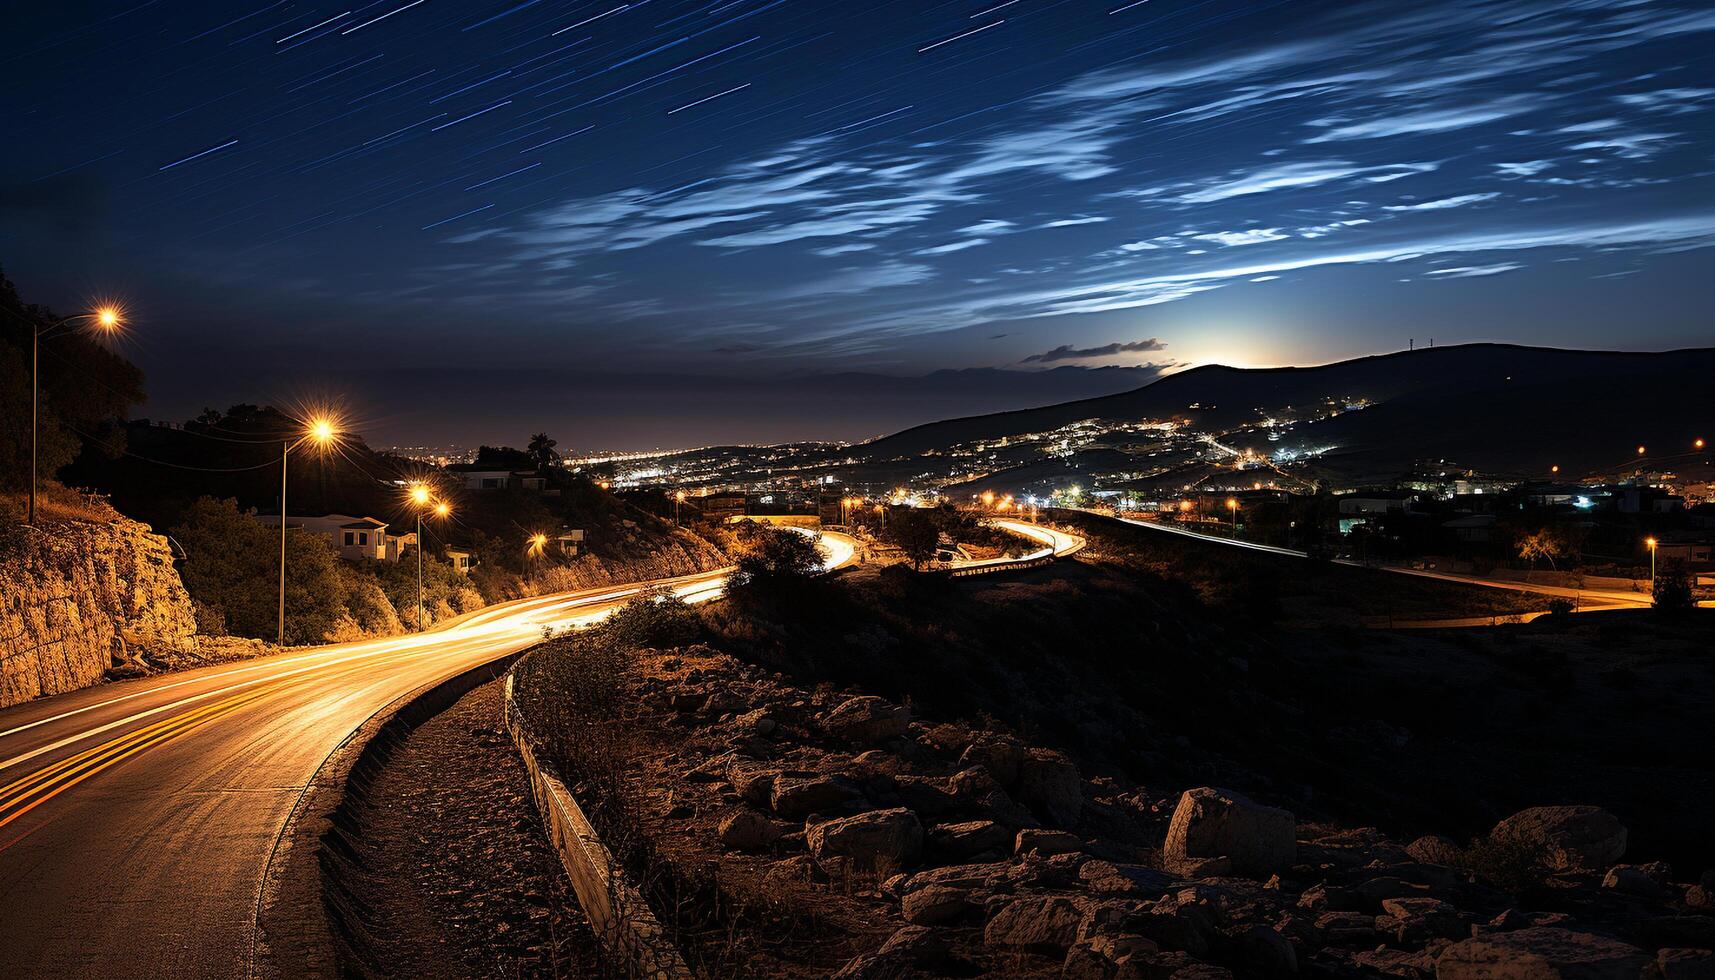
x=320, y=431
x=1233, y=505
x=1651, y=543
x=422, y=498
x=108, y=318
x=678, y=498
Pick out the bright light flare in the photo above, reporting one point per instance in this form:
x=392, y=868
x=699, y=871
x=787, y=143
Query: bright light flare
x=322, y=429
x=1650, y=543
x=442, y=509
x=109, y=317
x=419, y=494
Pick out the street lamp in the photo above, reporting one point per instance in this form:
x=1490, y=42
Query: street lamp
x=108, y=318
x=1650, y=543
x=1233, y=505
x=678, y=499
x=422, y=498
x=320, y=431
x=538, y=543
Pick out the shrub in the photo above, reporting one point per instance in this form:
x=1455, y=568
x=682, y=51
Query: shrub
x=1672, y=592
x=1509, y=862
x=1560, y=606
x=657, y=618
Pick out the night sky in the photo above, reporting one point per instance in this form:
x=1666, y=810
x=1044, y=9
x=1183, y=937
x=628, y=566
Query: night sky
x=670, y=223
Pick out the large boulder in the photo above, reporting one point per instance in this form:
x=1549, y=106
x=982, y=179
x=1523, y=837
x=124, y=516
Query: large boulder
x=1211, y=823
x=799, y=797
x=962, y=841
x=866, y=720
x=879, y=840
x=1571, y=837
x=1049, y=784
x=1035, y=923
x=1540, y=953
x=935, y=905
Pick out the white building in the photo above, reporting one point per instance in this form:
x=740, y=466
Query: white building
x=355, y=538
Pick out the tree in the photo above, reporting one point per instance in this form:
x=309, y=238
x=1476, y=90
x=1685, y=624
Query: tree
x=85, y=390
x=541, y=450
x=915, y=532
x=773, y=555
x=233, y=567
x=1539, y=544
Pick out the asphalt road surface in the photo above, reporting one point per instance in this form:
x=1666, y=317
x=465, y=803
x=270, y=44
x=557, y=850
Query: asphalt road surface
x=137, y=818
x=1587, y=598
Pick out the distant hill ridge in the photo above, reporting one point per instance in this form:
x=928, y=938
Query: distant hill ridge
x=1506, y=406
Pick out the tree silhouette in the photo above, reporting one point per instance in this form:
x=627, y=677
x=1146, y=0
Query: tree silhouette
x=541, y=450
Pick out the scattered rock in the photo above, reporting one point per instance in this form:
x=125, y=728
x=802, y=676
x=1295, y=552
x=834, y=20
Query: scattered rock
x=935, y=905
x=1046, y=842
x=1633, y=880
x=1418, y=920
x=1001, y=757
x=1540, y=953
x=1266, y=951
x=1049, y=784
x=961, y=841
x=747, y=830
x=1572, y=837
x=1210, y=822
x=753, y=782
x=866, y=720
x=880, y=839
x=1105, y=878
x=1685, y=964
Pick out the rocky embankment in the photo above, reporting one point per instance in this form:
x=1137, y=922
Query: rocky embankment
x=940, y=849
x=80, y=601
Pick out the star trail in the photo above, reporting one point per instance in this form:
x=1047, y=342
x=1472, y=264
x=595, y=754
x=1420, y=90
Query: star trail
x=762, y=188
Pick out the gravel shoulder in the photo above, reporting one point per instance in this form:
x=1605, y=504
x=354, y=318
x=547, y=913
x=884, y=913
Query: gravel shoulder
x=454, y=874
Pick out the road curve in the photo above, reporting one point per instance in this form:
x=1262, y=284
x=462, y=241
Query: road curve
x=137, y=818
x=1587, y=599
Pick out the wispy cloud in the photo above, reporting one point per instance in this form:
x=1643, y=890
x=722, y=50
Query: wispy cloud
x=1066, y=352
x=1443, y=203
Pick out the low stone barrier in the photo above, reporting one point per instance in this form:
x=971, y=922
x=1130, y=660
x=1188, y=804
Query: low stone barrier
x=616, y=910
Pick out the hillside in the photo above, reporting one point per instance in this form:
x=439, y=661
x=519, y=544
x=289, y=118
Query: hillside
x=1492, y=406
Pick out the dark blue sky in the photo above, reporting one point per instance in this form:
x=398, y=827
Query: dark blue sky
x=467, y=218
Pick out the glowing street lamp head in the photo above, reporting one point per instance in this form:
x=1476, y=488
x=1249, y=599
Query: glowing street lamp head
x=442, y=509
x=1697, y=444
x=419, y=494
x=109, y=317
x=1232, y=503
x=1650, y=543
x=1640, y=450
x=321, y=429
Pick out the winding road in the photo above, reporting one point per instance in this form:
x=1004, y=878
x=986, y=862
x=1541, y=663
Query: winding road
x=138, y=819
x=1587, y=599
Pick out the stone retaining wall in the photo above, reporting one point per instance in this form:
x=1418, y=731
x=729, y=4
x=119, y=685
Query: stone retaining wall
x=78, y=599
